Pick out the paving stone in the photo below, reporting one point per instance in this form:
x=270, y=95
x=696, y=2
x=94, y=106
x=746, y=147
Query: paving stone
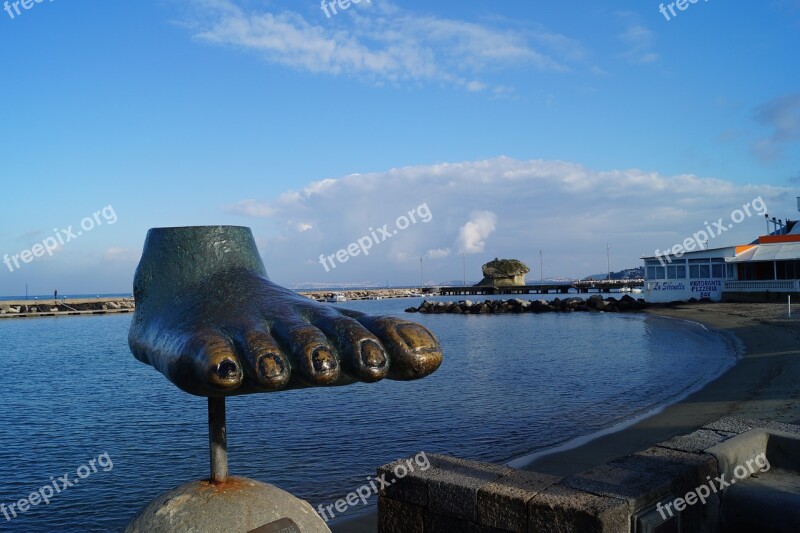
x=696, y=442
x=454, y=483
x=399, y=517
x=504, y=503
x=687, y=470
x=735, y=424
x=438, y=523
x=563, y=509
x=412, y=487
x=637, y=486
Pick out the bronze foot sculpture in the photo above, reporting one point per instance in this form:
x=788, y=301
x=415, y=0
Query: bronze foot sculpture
x=208, y=318
x=211, y=321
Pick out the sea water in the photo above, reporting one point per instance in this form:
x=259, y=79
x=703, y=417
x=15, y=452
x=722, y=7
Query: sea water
x=509, y=385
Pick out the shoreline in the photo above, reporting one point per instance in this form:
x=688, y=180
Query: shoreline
x=526, y=461
x=763, y=383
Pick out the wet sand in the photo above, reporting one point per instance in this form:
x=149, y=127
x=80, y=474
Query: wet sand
x=764, y=384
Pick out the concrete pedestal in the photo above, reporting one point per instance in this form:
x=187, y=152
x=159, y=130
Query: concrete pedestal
x=239, y=505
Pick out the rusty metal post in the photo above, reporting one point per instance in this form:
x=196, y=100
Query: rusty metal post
x=217, y=440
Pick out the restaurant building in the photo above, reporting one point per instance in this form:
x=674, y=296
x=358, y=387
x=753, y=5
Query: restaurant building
x=767, y=269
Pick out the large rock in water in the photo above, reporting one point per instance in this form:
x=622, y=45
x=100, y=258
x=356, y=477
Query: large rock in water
x=504, y=273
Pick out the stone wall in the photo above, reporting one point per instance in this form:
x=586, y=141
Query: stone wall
x=457, y=495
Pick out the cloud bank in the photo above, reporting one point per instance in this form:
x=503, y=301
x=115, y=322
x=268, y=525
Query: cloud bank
x=499, y=207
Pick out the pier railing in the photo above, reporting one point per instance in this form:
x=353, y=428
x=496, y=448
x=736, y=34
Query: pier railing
x=555, y=287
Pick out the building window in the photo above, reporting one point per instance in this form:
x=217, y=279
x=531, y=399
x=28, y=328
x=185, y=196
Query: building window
x=788, y=269
x=676, y=271
x=700, y=271
x=655, y=272
x=717, y=270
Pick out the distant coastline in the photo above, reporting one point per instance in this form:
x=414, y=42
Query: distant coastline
x=76, y=305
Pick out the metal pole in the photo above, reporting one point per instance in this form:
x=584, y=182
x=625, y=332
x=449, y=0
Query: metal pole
x=541, y=268
x=465, y=270
x=217, y=440
x=790, y=306
x=608, y=254
x=421, y=277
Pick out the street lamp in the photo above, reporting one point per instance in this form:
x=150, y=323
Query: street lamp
x=541, y=269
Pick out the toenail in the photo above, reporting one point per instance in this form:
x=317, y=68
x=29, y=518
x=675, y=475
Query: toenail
x=227, y=369
x=372, y=355
x=323, y=360
x=417, y=337
x=271, y=366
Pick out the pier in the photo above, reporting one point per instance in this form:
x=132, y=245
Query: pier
x=564, y=287
x=100, y=306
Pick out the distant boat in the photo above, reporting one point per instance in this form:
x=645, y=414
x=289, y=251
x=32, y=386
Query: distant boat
x=626, y=289
x=336, y=297
x=637, y=291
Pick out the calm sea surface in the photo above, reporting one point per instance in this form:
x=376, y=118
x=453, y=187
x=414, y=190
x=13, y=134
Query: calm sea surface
x=509, y=385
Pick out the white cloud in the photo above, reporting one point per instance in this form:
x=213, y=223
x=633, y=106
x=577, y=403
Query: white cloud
x=116, y=253
x=302, y=226
x=250, y=208
x=782, y=117
x=638, y=39
x=382, y=42
x=438, y=253
x=472, y=235
x=499, y=207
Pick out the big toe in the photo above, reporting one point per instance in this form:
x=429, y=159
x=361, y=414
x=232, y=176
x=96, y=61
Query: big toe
x=413, y=350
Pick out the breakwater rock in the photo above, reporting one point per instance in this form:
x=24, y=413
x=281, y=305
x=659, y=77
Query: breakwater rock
x=558, y=305
x=367, y=294
x=87, y=306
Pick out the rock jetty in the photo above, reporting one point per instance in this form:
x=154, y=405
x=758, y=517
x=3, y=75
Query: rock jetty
x=365, y=294
x=87, y=306
x=594, y=303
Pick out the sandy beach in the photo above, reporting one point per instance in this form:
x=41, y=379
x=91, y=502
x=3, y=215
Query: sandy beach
x=764, y=384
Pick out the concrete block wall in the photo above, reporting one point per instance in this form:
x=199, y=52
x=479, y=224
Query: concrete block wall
x=458, y=495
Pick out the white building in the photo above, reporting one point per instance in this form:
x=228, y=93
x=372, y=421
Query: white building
x=768, y=269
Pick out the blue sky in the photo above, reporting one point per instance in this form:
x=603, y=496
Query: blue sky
x=559, y=126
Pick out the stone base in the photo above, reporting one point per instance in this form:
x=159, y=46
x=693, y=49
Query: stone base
x=239, y=505
x=659, y=486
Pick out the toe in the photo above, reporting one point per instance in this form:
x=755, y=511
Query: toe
x=313, y=357
x=214, y=362
x=266, y=367
x=413, y=350
x=361, y=352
